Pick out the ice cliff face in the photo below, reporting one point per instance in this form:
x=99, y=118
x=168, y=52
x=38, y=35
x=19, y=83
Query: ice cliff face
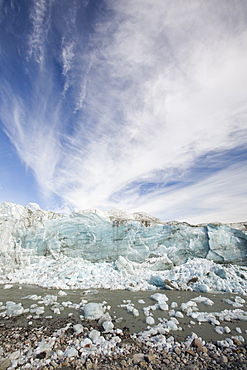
x=26, y=233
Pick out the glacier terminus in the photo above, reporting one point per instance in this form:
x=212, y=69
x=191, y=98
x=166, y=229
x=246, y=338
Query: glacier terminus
x=124, y=243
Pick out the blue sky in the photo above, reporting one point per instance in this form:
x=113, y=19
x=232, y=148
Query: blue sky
x=138, y=104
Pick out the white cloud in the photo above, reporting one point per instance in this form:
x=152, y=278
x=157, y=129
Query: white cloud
x=67, y=56
x=220, y=197
x=183, y=98
x=38, y=15
x=161, y=84
x=34, y=138
x=69, y=45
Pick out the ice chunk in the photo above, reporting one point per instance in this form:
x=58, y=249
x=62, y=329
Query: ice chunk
x=159, y=339
x=7, y=286
x=14, y=309
x=203, y=300
x=86, y=342
x=150, y=320
x=174, y=305
x=223, y=343
x=108, y=325
x=130, y=307
x=186, y=305
x=61, y=293
x=163, y=306
x=160, y=298
x=239, y=300
x=70, y=352
x=227, y=330
x=94, y=335
x=93, y=311
x=141, y=301
x=179, y=314
x=105, y=317
x=203, y=288
x=78, y=328
x=38, y=310
x=221, y=273
x=33, y=297
x=124, y=265
x=171, y=325
x=172, y=313
x=219, y=330
x=135, y=312
x=43, y=346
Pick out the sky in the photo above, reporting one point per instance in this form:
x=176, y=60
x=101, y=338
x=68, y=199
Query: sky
x=139, y=105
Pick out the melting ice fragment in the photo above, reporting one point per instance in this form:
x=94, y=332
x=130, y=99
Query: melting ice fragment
x=150, y=320
x=70, y=352
x=14, y=309
x=93, y=311
x=204, y=300
x=108, y=325
x=78, y=328
x=94, y=335
x=160, y=298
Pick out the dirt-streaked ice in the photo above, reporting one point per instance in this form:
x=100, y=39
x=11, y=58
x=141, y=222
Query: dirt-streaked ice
x=118, y=250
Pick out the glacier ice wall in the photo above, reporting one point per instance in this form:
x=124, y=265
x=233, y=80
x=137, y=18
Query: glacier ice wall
x=26, y=233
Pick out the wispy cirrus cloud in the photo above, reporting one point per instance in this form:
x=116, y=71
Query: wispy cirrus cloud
x=69, y=45
x=40, y=18
x=129, y=97
x=34, y=138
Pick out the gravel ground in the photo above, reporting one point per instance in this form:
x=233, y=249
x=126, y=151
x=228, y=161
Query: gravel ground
x=20, y=348
x=66, y=340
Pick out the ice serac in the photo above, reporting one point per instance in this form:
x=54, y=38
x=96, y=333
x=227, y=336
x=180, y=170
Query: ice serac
x=26, y=233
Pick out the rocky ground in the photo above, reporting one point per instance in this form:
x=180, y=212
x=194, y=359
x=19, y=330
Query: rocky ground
x=62, y=344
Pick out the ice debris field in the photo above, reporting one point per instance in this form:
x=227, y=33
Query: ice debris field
x=171, y=278
x=98, y=331
x=118, y=250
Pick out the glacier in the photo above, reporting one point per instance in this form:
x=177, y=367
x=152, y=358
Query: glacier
x=43, y=247
x=29, y=232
